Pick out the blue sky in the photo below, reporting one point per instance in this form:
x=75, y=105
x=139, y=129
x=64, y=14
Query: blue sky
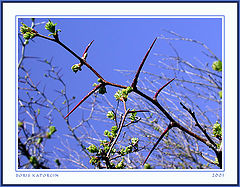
x=119, y=43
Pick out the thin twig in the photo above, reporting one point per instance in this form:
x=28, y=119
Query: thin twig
x=118, y=133
x=197, y=124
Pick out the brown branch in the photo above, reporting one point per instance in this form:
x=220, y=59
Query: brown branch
x=90, y=93
x=135, y=80
x=155, y=96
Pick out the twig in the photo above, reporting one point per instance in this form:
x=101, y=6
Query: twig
x=118, y=133
x=197, y=124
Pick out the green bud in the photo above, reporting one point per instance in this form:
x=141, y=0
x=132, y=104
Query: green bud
x=106, y=148
x=217, y=130
x=133, y=116
x=38, y=111
x=27, y=35
x=50, y=26
x=128, y=149
x=147, y=166
x=94, y=160
x=217, y=65
x=120, y=165
x=220, y=94
x=58, y=162
x=129, y=89
x=92, y=149
x=114, y=130
x=111, y=115
x=123, y=94
x=122, y=152
x=106, y=133
x=52, y=129
x=20, y=124
x=102, y=90
x=33, y=160
x=48, y=135
x=26, y=42
x=39, y=140
x=104, y=143
x=76, y=68
x=134, y=141
x=100, y=80
x=95, y=84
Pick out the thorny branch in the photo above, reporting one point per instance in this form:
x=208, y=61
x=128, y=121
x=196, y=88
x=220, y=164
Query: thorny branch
x=153, y=100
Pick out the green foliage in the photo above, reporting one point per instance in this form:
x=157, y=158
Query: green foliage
x=101, y=152
x=50, y=26
x=217, y=130
x=217, y=66
x=123, y=93
x=111, y=115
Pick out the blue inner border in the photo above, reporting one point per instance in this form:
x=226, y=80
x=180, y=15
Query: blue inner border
x=136, y=170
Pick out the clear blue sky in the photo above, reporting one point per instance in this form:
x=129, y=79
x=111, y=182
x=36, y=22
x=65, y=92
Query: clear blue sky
x=119, y=43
